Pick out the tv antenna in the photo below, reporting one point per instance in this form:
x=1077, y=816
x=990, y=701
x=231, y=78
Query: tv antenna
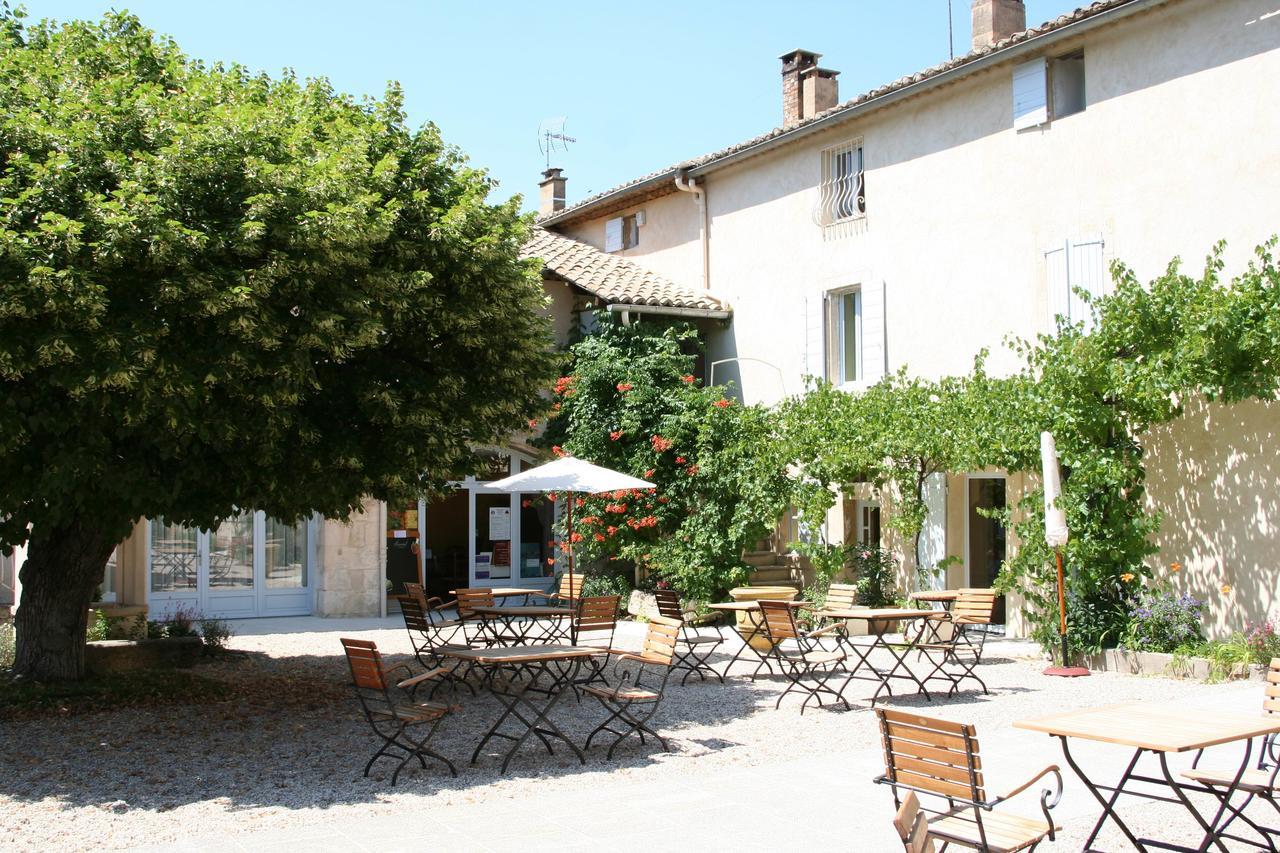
x=551, y=137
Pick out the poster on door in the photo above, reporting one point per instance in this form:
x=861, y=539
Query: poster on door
x=499, y=523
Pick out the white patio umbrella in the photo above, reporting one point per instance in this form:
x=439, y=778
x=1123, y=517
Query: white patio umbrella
x=1056, y=534
x=569, y=475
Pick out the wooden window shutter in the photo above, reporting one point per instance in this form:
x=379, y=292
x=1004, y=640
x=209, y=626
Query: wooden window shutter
x=1087, y=270
x=815, y=336
x=1059, y=288
x=874, y=350
x=1030, y=102
x=933, y=535
x=613, y=234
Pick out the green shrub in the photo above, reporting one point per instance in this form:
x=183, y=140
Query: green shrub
x=216, y=633
x=607, y=583
x=874, y=570
x=1163, y=621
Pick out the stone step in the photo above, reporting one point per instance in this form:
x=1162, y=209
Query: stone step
x=772, y=576
x=762, y=558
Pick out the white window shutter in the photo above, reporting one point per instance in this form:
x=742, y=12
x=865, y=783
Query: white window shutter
x=613, y=234
x=933, y=535
x=874, y=351
x=1059, y=288
x=815, y=337
x=1087, y=271
x=1030, y=104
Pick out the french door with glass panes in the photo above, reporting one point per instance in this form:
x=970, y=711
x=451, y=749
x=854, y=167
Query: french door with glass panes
x=249, y=565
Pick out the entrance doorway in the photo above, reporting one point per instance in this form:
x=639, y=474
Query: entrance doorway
x=249, y=565
x=985, y=537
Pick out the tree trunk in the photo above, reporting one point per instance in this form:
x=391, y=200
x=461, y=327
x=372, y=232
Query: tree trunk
x=64, y=566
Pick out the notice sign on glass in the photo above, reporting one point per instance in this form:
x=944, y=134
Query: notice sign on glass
x=499, y=523
x=502, y=553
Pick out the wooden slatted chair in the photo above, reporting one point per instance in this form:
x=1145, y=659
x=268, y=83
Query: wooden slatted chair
x=693, y=650
x=466, y=602
x=634, y=700
x=955, y=655
x=594, y=621
x=430, y=631
x=568, y=589
x=939, y=758
x=395, y=720
x=840, y=596
x=913, y=826
x=799, y=656
x=1257, y=783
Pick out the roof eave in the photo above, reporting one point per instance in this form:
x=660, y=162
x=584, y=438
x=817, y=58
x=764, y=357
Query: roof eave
x=839, y=115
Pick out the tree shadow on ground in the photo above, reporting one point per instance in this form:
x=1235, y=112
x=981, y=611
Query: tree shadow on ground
x=288, y=733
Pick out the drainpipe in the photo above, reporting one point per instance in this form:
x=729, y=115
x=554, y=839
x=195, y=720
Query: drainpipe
x=684, y=184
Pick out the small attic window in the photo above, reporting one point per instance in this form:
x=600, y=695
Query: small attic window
x=1066, y=77
x=622, y=232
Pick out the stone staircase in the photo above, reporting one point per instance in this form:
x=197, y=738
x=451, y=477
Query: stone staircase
x=769, y=568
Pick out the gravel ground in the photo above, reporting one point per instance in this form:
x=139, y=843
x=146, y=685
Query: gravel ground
x=286, y=748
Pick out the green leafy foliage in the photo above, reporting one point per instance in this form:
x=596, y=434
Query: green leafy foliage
x=1098, y=390
x=222, y=290
x=631, y=402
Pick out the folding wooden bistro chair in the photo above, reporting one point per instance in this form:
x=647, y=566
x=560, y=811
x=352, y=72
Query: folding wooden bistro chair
x=939, y=758
x=474, y=623
x=955, y=656
x=395, y=720
x=1257, y=783
x=568, y=589
x=803, y=662
x=693, y=650
x=430, y=631
x=594, y=621
x=634, y=700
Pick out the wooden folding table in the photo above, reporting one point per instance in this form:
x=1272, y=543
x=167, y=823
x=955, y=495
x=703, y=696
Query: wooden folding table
x=1161, y=731
x=515, y=675
x=879, y=622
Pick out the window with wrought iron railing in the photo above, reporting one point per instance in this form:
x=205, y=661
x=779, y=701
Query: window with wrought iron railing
x=842, y=194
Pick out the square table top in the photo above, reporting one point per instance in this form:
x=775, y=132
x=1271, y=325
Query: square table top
x=878, y=614
x=1158, y=728
x=753, y=605
x=506, y=591
x=523, y=610
x=521, y=654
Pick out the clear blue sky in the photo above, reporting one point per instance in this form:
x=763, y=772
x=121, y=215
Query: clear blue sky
x=643, y=85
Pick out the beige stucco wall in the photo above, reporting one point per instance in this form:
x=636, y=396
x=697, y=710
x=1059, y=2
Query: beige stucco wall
x=1175, y=151
x=353, y=552
x=1213, y=476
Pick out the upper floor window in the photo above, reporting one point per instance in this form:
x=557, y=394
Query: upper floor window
x=1045, y=89
x=842, y=193
x=1072, y=267
x=844, y=336
x=623, y=232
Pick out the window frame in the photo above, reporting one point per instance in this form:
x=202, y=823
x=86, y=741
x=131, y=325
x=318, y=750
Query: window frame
x=836, y=336
x=842, y=189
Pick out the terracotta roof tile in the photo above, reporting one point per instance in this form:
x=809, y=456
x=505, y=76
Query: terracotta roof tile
x=616, y=280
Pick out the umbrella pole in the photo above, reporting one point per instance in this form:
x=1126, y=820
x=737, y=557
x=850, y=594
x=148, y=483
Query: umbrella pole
x=569, y=536
x=1064, y=670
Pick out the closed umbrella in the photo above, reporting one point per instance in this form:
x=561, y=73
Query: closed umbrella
x=1056, y=535
x=569, y=475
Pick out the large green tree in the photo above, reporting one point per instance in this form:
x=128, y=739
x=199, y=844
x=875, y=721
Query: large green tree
x=222, y=290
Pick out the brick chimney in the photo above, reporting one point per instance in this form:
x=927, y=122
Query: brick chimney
x=996, y=20
x=806, y=89
x=552, y=189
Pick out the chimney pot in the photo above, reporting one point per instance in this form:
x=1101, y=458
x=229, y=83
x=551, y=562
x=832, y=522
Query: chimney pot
x=806, y=89
x=552, y=192
x=996, y=20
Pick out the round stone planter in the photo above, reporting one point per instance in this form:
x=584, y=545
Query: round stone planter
x=749, y=620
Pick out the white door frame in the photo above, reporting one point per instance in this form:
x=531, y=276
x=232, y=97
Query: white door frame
x=475, y=487
x=978, y=475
